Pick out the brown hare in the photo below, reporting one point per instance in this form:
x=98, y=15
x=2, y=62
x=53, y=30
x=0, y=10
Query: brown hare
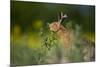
x=65, y=35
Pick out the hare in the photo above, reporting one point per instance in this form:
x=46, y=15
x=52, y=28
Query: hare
x=65, y=35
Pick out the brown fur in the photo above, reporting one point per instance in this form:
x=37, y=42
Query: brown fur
x=65, y=35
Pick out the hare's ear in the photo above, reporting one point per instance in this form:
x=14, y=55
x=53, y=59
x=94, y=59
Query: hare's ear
x=61, y=15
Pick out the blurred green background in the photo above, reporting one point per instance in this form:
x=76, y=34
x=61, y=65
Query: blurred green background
x=28, y=18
